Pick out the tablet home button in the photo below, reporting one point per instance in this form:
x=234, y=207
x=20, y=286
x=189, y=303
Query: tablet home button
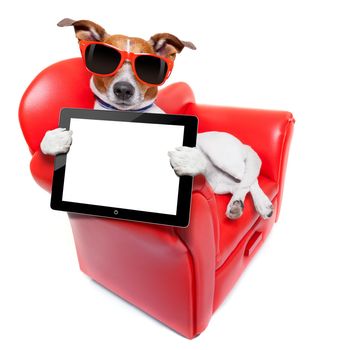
x=115, y=212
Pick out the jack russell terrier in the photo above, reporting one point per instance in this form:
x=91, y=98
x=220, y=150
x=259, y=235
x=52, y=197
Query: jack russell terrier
x=126, y=73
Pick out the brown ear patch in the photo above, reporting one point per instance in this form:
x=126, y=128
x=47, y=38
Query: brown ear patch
x=168, y=45
x=85, y=29
x=162, y=39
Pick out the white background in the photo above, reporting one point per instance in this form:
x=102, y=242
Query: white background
x=292, y=55
x=126, y=165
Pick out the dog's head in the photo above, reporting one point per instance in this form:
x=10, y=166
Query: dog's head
x=123, y=89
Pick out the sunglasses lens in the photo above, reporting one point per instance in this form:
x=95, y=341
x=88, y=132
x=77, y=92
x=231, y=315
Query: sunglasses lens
x=101, y=59
x=151, y=69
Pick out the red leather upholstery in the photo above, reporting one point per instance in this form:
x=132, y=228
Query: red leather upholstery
x=231, y=232
x=178, y=275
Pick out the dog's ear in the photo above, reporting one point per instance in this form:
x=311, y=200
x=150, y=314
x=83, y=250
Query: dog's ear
x=84, y=29
x=168, y=45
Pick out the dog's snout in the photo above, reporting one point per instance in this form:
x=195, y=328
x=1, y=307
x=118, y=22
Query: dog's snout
x=123, y=90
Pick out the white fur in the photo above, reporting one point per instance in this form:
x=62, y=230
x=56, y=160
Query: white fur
x=225, y=152
x=159, y=44
x=127, y=49
x=56, y=141
x=95, y=34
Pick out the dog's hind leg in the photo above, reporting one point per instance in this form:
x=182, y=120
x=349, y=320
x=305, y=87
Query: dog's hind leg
x=249, y=182
x=236, y=204
x=262, y=203
x=252, y=168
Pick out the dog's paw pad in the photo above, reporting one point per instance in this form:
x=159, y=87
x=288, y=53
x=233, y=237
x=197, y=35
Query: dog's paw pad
x=235, y=210
x=271, y=211
x=265, y=210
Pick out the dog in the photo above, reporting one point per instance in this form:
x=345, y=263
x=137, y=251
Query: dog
x=228, y=165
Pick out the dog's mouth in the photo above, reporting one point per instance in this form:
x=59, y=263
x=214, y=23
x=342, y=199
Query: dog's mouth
x=125, y=105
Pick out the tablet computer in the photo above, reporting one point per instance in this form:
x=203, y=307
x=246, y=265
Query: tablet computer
x=118, y=166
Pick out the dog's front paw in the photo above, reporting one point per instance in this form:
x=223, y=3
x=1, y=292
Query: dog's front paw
x=187, y=161
x=56, y=141
x=234, y=209
x=264, y=207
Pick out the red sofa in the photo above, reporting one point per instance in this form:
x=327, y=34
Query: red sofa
x=180, y=276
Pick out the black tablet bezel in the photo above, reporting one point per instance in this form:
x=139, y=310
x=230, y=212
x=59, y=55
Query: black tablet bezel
x=181, y=218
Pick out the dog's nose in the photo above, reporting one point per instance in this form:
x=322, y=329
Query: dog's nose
x=123, y=90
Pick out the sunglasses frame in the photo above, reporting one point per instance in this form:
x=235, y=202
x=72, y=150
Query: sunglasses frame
x=125, y=55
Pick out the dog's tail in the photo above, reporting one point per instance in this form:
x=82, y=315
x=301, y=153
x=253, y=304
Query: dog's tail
x=262, y=203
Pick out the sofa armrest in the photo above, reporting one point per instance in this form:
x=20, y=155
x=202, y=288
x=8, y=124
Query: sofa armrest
x=200, y=238
x=268, y=132
x=202, y=186
x=42, y=167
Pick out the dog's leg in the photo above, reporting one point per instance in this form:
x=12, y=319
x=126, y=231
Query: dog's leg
x=249, y=183
x=236, y=204
x=252, y=168
x=188, y=161
x=262, y=203
x=56, y=141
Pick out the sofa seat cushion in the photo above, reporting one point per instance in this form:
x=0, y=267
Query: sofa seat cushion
x=232, y=231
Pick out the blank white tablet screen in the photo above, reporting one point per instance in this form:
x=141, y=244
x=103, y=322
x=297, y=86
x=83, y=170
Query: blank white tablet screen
x=122, y=165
